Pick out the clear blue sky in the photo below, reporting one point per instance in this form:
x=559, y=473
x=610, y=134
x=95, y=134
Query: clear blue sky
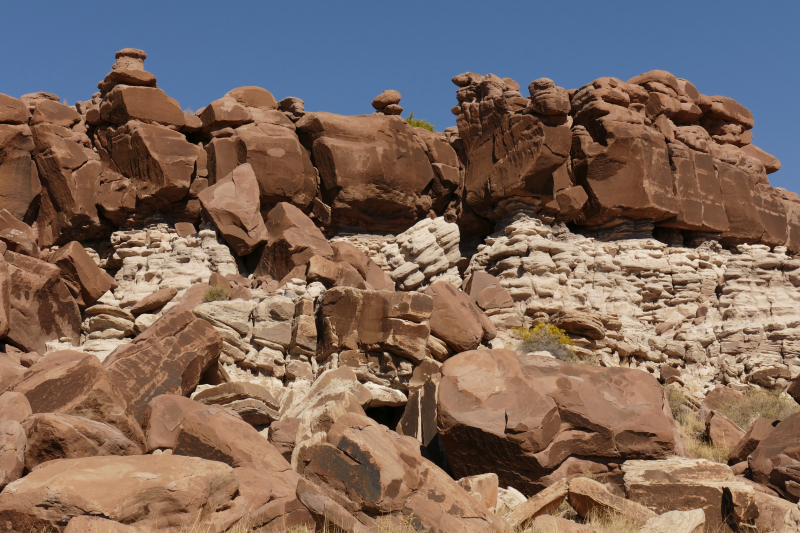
x=338, y=55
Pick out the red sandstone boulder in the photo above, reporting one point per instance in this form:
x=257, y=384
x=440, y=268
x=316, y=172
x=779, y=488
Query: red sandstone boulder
x=17, y=236
x=218, y=435
x=372, y=167
x=232, y=203
x=390, y=478
x=362, y=320
x=163, y=418
x=281, y=165
x=128, y=69
x=292, y=240
x=156, y=300
x=14, y=406
x=721, y=431
x=5, y=298
x=12, y=451
x=521, y=417
x=10, y=371
x=46, y=111
x=60, y=436
x=19, y=179
x=282, y=435
x=12, y=110
x=762, y=427
x=153, y=493
x=456, y=319
x=85, y=280
x=366, y=267
x=69, y=173
x=168, y=358
x=794, y=389
x=42, y=307
x=146, y=104
x=486, y=291
x=776, y=460
x=76, y=383
x=159, y=162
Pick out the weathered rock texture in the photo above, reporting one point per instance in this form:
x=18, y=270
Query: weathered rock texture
x=521, y=417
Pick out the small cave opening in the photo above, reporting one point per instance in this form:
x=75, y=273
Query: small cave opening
x=386, y=415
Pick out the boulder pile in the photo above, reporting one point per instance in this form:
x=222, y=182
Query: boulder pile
x=254, y=317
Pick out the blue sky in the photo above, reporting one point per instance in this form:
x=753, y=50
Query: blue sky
x=338, y=55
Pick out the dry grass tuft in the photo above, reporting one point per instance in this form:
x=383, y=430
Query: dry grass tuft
x=693, y=430
x=759, y=403
x=217, y=293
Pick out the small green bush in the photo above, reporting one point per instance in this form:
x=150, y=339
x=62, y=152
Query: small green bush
x=549, y=338
x=759, y=403
x=217, y=293
x=417, y=123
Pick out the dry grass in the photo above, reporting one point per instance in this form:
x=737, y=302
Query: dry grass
x=693, y=430
x=217, y=293
x=759, y=403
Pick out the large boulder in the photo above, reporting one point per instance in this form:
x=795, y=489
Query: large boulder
x=168, y=358
x=5, y=298
x=163, y=418
x=75, y=383
x=292, y=240
x=216, y=434
x=12, y=110
x=151, y=492
x=372, y=169
x=60, y=436
x=19, y=179
x=281, y=165
x=396, y=322
x=69, y=173
x=456, y=319
x=17, y=236
x=146, y=104
x=85, y=280
x=370, y=470
x=42, y=306
x=12, y=451
x=776, y=460
x=159, y=162
x=232, y=203
x=681, y=484
x=521, y=417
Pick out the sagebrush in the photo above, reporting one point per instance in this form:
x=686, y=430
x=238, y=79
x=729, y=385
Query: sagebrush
x=549, y=338
x=419, y=123
x=693, y=430
x=217, y=293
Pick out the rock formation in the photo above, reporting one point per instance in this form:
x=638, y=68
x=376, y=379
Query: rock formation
x=254, y=316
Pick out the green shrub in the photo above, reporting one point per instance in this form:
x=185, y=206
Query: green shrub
x=217, y=293
x=417, y=123
x=759, y=403
x=549, y=338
